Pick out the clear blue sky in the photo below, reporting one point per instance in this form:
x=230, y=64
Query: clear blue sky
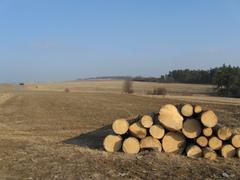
x=54, y=40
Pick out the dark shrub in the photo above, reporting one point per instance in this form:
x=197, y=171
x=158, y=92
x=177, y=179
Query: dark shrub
x=158, y=91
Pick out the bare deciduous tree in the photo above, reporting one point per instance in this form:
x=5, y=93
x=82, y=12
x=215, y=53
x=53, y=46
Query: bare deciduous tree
x=127, y=86
x=66, y=90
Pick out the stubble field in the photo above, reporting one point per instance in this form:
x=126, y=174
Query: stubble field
x=44, y=132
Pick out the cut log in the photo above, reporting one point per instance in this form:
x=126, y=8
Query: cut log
x=112, y=143
x=202, y=141
x=215, y=143
x=207, y=131
x=170, y=118
x=209, y=119
x=236, y=141
x=137, y=130
x=131, y=145
x=147, y=121
x=194, y=151
x=174, y=142
x=191, y=128
x=209, y=153
x=120, y=126
x=150, y=143
x=228, y=151
x=187, y=110
x=197, y=109
x=224, y=133
x=157, y=131
x=236, y=131
x=238, y=153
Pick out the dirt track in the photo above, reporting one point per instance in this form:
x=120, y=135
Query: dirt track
x=35, y=125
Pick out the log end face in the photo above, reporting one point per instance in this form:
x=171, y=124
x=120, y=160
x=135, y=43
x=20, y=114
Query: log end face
x=236, y=141
x=191, y=128
x=150, y=143
x=209, y=154
x=202, y=141
x=197, y=109
x=194, y=151
x=224, y=133
x=209, y=119
x=238, y=153
x=112, y=143
x=174, y=142
x=120, y=126
x=137, y=130
x=228, y=151
x=187, y=110
x=170, y=118
x=215, y=143
x=131, y=145
x=157, y=131
x=147, y=121
x=207, y=132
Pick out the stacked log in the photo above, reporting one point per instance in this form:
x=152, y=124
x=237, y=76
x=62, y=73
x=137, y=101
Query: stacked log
x=207, y=131
x=131, y=145
x=228, y=151
x=180, y=129
x=150, y=142
x=238, y=153
x=194, y=151
x=157, y=131
x=174, y=142
x=202, y=141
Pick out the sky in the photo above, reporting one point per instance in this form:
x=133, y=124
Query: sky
x=56, y=40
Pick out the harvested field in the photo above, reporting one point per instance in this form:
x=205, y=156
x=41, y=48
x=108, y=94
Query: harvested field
x=115, y=86
x=55, y=135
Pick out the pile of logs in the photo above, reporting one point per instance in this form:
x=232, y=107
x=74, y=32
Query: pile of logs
x=182, y=129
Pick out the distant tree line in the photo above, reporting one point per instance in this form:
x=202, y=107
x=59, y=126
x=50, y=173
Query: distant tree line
x=226, y=78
